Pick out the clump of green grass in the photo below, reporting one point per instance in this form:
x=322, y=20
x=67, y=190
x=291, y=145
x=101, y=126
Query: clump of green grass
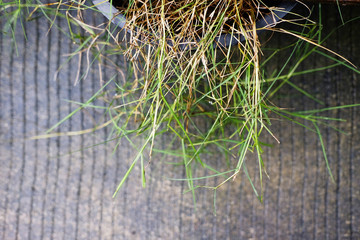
x=184, y=78
x=199, y=79
x=182, y=86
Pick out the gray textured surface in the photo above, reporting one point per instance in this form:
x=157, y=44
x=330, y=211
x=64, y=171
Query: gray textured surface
x=48, y=193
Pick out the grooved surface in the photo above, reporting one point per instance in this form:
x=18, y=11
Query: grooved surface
x=61, y=188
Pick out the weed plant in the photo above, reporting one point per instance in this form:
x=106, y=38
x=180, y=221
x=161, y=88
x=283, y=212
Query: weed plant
x=184, y=76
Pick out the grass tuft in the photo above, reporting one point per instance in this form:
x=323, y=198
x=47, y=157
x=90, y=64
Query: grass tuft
x=187, y=84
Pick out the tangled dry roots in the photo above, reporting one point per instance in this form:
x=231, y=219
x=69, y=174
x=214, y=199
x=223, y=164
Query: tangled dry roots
x=192, y=19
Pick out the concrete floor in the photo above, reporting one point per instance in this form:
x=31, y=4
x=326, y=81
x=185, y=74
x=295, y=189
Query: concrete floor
x=61, y=188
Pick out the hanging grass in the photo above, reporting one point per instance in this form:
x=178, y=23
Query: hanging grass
x=199, y=78
x=189, y=76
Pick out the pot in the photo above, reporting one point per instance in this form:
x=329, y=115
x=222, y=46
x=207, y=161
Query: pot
x=270, y=20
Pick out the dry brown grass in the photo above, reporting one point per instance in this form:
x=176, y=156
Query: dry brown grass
x=187, y=18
